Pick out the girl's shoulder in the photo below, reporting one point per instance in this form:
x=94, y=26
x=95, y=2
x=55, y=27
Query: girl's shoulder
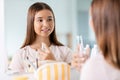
x=22, y=50
x=94, y=69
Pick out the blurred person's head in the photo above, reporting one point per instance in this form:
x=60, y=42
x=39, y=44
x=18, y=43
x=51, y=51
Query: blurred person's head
x=32, y=31
x=105, y=20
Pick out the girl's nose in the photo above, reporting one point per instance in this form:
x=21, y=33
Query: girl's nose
x=45, y=23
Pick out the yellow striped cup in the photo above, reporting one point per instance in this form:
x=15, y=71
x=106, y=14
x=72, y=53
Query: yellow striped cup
x=53, y=71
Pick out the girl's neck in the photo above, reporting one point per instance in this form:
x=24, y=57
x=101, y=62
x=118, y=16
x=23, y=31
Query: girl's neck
x=37, y=44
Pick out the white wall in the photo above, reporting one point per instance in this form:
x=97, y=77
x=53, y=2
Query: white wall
x=83, y=5
x=83, y=27
x=3, y=55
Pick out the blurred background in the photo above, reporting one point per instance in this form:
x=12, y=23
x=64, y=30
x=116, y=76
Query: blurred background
x=71, y=20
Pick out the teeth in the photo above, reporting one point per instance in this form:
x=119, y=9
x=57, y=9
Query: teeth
x=45, y=29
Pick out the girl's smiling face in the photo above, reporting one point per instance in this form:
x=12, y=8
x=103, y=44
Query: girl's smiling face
x=43, y=23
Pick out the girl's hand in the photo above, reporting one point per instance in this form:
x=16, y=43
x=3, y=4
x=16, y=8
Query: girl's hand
x=45, y=53
x=79, y=58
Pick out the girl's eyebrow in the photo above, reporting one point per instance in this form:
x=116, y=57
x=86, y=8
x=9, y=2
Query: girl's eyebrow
x=50, y=17
x=39, y=18
x=42, y=17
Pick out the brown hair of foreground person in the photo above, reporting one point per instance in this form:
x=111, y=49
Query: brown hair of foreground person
x=106, y=20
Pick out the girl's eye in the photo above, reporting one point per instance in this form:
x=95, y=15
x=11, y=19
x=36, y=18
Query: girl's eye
x=50, y=19
x=41, y=20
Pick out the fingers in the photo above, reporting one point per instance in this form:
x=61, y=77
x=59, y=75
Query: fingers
x=78, y=48
x=42, y=54
x=45, y=48
x=45, y=53
x=79, y=60
x=87, y=50
x=78, y=66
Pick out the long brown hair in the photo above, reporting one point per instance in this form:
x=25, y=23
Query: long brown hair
x=31, y=35
x=106, y=21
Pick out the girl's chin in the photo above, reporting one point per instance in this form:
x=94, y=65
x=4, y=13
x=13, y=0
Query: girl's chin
x=45, y=35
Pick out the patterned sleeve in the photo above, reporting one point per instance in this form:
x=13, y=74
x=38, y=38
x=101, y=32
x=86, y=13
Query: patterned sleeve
x=68, y=54
x=16, y=65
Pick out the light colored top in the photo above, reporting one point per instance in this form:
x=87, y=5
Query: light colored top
x=18, y=63
x=96, y=68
